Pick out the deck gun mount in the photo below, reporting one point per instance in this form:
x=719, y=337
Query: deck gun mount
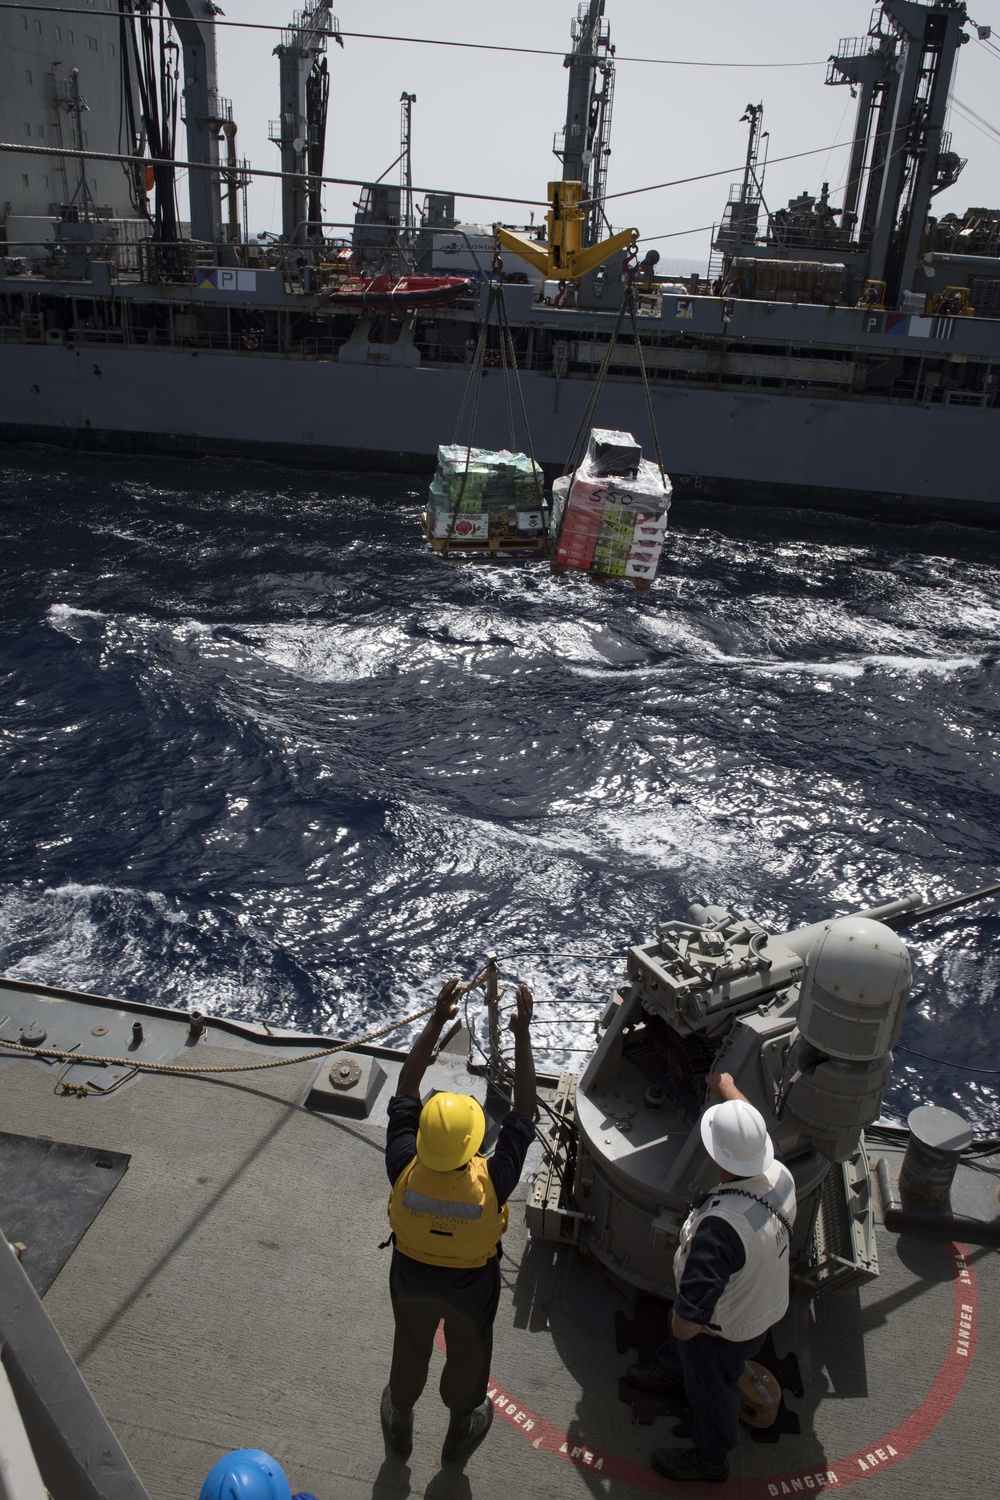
x=805, y=1021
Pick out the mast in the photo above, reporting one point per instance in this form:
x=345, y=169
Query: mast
x=406, y=103
x=748, y=208
x=584, y=145
x=739, y=229
x=81, y=198
x=234, y=178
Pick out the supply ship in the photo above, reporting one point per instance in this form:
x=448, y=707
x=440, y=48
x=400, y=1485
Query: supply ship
x=195, y=1205
x=839, y=355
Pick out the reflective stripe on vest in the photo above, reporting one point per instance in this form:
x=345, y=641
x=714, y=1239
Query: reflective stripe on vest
x=755, y=1297
x=447, y=1218
x=445, y=1207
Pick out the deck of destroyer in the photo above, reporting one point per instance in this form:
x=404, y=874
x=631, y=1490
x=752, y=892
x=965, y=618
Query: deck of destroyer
x=230, y=1293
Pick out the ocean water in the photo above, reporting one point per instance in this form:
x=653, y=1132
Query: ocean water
x=263, y=754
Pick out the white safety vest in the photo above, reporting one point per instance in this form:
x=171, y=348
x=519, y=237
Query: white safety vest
x=756, y=1297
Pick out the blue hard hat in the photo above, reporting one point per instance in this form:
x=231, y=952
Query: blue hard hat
x=247, y=1474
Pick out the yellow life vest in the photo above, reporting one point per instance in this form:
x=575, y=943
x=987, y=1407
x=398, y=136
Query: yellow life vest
x=447, y=1218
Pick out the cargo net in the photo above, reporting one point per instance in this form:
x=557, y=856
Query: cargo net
x=484, y=499
x=609, y=518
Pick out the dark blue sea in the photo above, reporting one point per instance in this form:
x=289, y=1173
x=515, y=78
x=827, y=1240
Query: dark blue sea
x=263, y=754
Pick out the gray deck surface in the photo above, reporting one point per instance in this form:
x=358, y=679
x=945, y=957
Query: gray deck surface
x=230, y=1294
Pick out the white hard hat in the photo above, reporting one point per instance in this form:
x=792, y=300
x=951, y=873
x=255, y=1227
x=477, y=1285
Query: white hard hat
x=736, y=1138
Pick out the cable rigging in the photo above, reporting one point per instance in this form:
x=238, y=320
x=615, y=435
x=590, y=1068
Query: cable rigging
x=966, y=110
x=32, y=150
x=655, y=187
x=427, y=41
x=495, y=302
x=943, y=1062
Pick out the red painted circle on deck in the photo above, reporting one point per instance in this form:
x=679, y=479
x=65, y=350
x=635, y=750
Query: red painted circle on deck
x=837, y=1474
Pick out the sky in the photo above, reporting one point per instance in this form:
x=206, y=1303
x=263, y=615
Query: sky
x=484, y=121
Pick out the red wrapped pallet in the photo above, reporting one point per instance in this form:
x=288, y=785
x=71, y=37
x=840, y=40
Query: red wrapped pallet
x=609, y=519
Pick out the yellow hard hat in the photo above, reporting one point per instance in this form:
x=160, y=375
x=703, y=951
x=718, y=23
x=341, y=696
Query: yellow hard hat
x=450, y=1132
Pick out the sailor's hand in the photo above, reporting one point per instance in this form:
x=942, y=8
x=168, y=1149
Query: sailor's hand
x=722, y=1086
x=520, y=1019
x=446, y=1004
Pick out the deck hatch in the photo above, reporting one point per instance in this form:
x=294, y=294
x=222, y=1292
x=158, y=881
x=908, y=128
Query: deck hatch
x=50, y=1194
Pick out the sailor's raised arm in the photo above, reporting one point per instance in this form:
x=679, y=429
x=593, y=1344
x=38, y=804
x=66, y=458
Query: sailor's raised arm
x=525, y=1092
x=722, y=1086
x=412, y=1072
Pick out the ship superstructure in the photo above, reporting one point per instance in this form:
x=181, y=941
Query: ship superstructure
x=882, y=244
x=842, y=354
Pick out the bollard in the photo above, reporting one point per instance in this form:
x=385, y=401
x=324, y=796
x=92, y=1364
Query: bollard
x=937, y=1139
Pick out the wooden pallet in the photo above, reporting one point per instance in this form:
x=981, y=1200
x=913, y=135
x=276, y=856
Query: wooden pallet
x=452, y=547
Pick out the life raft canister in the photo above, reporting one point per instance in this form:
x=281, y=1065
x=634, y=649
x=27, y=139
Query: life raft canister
x=447, y=1218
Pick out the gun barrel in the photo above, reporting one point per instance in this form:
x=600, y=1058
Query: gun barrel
x=906, y=916
x=890, y=909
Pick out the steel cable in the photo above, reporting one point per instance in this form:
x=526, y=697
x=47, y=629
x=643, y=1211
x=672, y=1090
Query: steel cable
x=944, y=1062
x=588, y=414
x=645, y=384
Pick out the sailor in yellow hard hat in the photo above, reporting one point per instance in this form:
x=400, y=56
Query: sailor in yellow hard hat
x=448, y=1211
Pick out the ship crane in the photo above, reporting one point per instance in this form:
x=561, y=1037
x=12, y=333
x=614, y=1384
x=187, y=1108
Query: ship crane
x=901, y=157
x=202, y=115
x=300, y=132
x=202, y=112
x=903, y=72
x=576, y=217
x=584, y=145
x=564, y=257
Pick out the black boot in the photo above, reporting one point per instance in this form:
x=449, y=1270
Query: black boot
x=466, y=1433
x=653, y=1377
x=688, y=1463
x=397, y=1425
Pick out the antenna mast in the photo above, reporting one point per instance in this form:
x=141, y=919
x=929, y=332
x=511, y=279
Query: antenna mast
x=82, y=197
x=406, y=103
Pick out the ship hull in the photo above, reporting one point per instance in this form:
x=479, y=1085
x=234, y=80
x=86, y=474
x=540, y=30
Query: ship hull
x=788, y=449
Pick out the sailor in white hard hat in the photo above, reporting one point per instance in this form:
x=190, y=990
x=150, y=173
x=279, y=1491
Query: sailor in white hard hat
x=731, y=1271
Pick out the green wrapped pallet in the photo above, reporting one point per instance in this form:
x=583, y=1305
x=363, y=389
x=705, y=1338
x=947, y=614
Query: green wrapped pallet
x=486, y=482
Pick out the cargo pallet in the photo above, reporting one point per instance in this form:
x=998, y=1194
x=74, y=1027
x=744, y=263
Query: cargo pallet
x=488, y=547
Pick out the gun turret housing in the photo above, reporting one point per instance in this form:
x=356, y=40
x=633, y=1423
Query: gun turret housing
x=804, y=1021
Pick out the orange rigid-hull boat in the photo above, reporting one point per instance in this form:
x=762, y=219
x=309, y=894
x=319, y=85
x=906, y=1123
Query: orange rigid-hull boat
x=399, y=291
